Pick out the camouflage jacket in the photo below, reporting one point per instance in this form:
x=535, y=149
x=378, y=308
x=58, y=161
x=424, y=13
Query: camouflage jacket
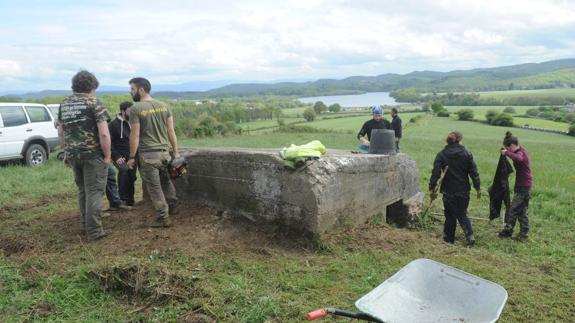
x=78, y=116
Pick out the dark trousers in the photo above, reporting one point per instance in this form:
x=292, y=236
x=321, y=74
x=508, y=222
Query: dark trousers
x=126, y=179
x=397, y=145
x=519, y=210
x=455, y=207
x=112, y=188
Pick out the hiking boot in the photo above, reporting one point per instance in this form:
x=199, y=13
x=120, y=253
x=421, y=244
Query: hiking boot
x=104, y=234
x=161, y=223
x=470, y=240
x=505, y=234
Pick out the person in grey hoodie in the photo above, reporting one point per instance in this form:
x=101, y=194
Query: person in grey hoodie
x=120, y=136
x=458, y=165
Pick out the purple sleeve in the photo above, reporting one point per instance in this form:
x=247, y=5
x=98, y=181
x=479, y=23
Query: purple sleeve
x=519, y=156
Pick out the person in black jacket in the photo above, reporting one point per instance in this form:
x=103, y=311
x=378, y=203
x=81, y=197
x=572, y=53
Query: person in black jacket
x=458, y=165
x=377, y=122
x=396, y=126
x=120, y=136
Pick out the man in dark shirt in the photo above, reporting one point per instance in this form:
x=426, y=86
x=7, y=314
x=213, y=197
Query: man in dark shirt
x=120, y=135
x=396, y=126
x=377, y=122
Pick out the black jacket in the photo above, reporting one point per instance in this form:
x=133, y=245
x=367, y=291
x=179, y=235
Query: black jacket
x=120, y=137
x=396, y=126
x=372, y=124
x=499, y=190
x=461, y=167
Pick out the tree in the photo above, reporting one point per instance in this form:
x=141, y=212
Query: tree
x=334, y=108
x=572, y=130
x=465, y=115
x=443, y=113
x=309, y=114
x=319, y=107
x=436, y=107
x=503, y=119
x=509, y=110
x=490, y=115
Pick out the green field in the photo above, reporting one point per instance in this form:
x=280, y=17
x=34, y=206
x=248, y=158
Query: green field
x=46, y=274
x=557, y=92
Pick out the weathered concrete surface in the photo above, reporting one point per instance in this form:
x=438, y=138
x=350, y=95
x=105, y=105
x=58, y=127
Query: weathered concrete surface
x=338, y=187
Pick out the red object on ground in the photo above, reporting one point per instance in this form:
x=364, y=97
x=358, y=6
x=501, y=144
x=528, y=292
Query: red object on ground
x=316, y=314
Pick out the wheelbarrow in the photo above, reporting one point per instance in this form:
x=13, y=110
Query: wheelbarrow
x=427, y=291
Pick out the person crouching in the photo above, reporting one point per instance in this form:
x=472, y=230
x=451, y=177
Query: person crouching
x=458, y=165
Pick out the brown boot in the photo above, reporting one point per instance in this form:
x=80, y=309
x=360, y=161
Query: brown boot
x=104, y=234
x=161, y=223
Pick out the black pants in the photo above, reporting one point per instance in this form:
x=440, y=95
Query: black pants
x=126, y=179
x=456, y=211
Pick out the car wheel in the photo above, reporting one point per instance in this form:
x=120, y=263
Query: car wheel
x=35, y=155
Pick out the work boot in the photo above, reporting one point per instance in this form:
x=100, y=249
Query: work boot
x=104, y=234
x=161, y=223
x=505, y=234
x=470, y=240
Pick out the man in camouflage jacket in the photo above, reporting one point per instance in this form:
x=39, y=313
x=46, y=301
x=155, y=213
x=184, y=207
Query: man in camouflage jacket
x=84, y=134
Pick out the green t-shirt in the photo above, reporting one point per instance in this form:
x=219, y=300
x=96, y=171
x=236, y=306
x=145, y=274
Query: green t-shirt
x=153, y=117
x=78, y=116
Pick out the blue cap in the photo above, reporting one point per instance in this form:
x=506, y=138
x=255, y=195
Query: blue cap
x=376, y=109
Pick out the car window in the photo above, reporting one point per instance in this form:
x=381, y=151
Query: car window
x=13, y=116
x=54, y=109
x=38, y=114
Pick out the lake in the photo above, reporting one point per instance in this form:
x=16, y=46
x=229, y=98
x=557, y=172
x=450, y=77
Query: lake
x=356, y=100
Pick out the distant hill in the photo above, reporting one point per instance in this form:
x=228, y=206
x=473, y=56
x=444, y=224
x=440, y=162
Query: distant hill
x=551, y=74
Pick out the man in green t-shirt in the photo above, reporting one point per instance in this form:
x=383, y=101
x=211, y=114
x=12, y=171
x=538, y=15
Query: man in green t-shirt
x=83, y=132
x=151, y=137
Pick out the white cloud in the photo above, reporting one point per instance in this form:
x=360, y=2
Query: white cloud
x=181, y=41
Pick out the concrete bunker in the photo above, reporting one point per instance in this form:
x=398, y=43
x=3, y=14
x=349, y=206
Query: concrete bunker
x=338, y=187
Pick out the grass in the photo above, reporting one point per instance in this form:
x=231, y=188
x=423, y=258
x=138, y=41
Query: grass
x=282, y=283
x=557, y=92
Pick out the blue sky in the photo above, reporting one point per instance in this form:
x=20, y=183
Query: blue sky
x=43, y=43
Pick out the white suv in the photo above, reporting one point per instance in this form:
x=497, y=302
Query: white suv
x=27, y=132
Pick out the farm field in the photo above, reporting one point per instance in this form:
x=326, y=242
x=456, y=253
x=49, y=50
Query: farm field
x=556, y=92
x=217, y=269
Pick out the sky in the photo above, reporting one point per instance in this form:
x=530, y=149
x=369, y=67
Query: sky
x=44, y=43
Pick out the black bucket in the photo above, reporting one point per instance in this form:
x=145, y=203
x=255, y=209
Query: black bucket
x=382, y=142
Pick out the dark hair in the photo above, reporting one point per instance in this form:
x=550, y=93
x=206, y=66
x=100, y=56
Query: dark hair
x=510, y=139
x=125, y=105
x=454, y=137
x=394, y=110
x=141, y=83
x=84, y=82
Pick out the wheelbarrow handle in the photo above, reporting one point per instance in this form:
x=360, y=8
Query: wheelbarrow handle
x=355, y=315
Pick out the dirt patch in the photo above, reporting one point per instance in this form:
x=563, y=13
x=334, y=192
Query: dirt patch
x=16, y=244
x=144, y=283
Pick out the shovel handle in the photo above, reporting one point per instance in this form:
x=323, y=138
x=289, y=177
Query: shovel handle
x=316, y=314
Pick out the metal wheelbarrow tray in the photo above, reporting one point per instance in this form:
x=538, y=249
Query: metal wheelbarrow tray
x=427, y=291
